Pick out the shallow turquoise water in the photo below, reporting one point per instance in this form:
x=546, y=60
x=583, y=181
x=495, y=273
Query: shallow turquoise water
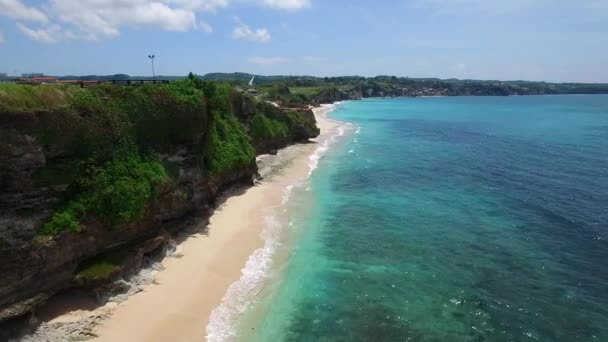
x=451, y=219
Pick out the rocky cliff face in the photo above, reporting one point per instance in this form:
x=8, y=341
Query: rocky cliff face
x=35, y=267
x=331, y=95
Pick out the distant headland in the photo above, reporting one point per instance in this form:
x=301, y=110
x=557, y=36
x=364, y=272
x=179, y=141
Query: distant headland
x=313, y=89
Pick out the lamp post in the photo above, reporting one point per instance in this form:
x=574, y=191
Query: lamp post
x=153, y=75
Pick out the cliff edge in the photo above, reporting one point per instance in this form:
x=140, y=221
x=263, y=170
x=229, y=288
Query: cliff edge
x=95, y=181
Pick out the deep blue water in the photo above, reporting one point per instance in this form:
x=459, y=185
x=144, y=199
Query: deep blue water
x=453, y=219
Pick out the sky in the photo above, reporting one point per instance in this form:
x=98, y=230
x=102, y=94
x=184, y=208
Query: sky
x=539, y=40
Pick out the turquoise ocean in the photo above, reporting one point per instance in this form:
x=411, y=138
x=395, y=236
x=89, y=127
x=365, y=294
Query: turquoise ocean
x=447, y=219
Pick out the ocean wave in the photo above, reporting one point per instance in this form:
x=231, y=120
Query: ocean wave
x=221, y=323
x=324, y=146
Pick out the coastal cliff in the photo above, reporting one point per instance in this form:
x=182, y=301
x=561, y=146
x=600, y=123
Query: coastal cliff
x=96, y=181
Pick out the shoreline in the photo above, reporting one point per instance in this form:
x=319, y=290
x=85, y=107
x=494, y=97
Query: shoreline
x=197, y=282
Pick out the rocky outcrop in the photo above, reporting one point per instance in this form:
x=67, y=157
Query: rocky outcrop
x=331, y=95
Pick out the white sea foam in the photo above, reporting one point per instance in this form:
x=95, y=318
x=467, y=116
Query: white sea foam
x=238, y=297
x=239, y=294
x=314, y=158
x=286, y=194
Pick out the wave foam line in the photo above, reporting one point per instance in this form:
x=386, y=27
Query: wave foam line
x=238, y=297
x=257, y=269
x=314, y=158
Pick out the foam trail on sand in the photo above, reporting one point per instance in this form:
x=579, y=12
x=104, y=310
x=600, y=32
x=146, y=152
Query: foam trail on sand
x=320, y=151
x=221, y=324
x=324, y=145
x=287, y=194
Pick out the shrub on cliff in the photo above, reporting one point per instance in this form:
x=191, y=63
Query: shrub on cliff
x=116, y=192
x=119, y=191
x=163, y=115
x=227, y=146
x=302, y=124
x=87, y=126
x=62, y=221
x=263, y=128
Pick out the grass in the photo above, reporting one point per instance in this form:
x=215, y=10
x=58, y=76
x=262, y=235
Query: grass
x=100, y=268
x=306, y=91
x=21, y=97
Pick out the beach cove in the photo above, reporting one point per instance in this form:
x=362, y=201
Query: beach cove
x=179, y=304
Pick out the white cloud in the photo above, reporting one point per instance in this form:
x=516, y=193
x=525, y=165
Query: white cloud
x=97, y=19
x=267, y=61
x=50, y=34
x=289, y=5
x=199, y=5
x=16, y=10
x=203, y=25
x=243, y=31
x=104, y=19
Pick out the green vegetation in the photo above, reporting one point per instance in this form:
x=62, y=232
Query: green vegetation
x=306, y=91
x=100, y=268
x=61, y=221
x=116, y=192
x=301, y=126
x=227, y=146
x=108, y=138
x=263, y=128
x=17, y=98
x=164, y=115
x=317, y=89
x=281, y=92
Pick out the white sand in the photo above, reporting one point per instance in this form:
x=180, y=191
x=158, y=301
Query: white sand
x=178, y=307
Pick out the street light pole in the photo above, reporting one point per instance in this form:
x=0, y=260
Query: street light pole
x=153, y=74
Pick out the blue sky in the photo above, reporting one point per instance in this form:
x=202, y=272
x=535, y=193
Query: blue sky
x=552, y=40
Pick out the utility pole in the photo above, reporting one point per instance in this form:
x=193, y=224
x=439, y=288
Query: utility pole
x=153, y=74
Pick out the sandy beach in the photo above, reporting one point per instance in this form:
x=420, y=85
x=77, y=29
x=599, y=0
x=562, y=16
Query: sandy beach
x=178, y=306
